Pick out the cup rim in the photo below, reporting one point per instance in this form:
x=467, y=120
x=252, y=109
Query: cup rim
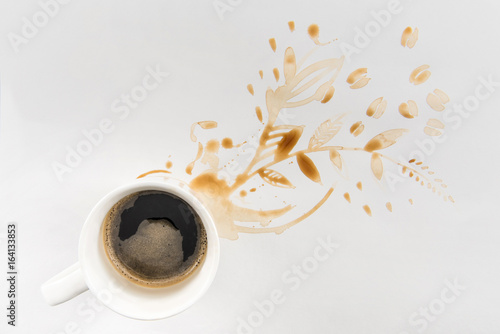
x=96, y=270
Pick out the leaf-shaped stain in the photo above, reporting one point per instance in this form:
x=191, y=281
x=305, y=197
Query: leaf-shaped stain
x=258, y=112
x=420, y=75
x=408, y=109
x=250, y=89
x=336, y=159
x=328, y=95
x=377, y=108
x=377, y=166
x=317, y=71
x=289, y=65
x=287, y=143
x=276, y=73
x=274, y=178
x=437, y=100
x=356, y=75
x=308, y=167
x=325, y=132
x=413, y=39
x=409, y=37
x=272, y=43
x=406, y=35
x=384, y=139
x=357, y=128
x=357, y=79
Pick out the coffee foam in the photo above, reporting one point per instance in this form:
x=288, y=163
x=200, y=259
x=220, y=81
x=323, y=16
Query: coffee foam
x=155, y=255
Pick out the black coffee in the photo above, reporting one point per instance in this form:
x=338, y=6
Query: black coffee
x=154, y=238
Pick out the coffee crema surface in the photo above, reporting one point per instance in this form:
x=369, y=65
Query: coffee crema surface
x=154, y=238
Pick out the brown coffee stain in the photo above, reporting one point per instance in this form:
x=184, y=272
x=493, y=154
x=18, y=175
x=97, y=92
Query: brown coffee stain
x=357, y=128
x=213, y=146
x=434, y=127
x=250, y=89
x=153, y=172
x=408, y=109
x=227, y=143
x=308, y=167
x=357, y=79
x=303, y=85
x=291, y=26
x=409, y=37
x=437, y=100
x=367, y=210
x=384, y=139
x=272, y=43
x=328, y=95
x=276, y=73
x=204, y=125
x=169, y=164
x=411, y=201
x=377, y=108
x=377, y=166
x=258, y=112
x=388, y=205
x=313, y=31
x=261, y=73
x=420, y=75
x=189, y=168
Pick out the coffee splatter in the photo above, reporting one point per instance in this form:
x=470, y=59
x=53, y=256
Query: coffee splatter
x=258, y=112
x=272, y=43
x=291, y=26
x=367, y=210
x=227, y=143
x=388, y=205
x=250, y=89
x=278, y=143
x=276, y=73
x=347, y=197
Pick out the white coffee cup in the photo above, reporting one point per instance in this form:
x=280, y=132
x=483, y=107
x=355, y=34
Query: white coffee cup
x=95, y=272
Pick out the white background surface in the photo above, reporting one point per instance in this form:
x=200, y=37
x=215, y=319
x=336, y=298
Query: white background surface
x=64, y=80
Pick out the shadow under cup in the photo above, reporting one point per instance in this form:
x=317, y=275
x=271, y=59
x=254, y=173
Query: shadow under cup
x=128, y=298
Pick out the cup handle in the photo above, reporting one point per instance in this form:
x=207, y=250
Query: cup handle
x=67, y=284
